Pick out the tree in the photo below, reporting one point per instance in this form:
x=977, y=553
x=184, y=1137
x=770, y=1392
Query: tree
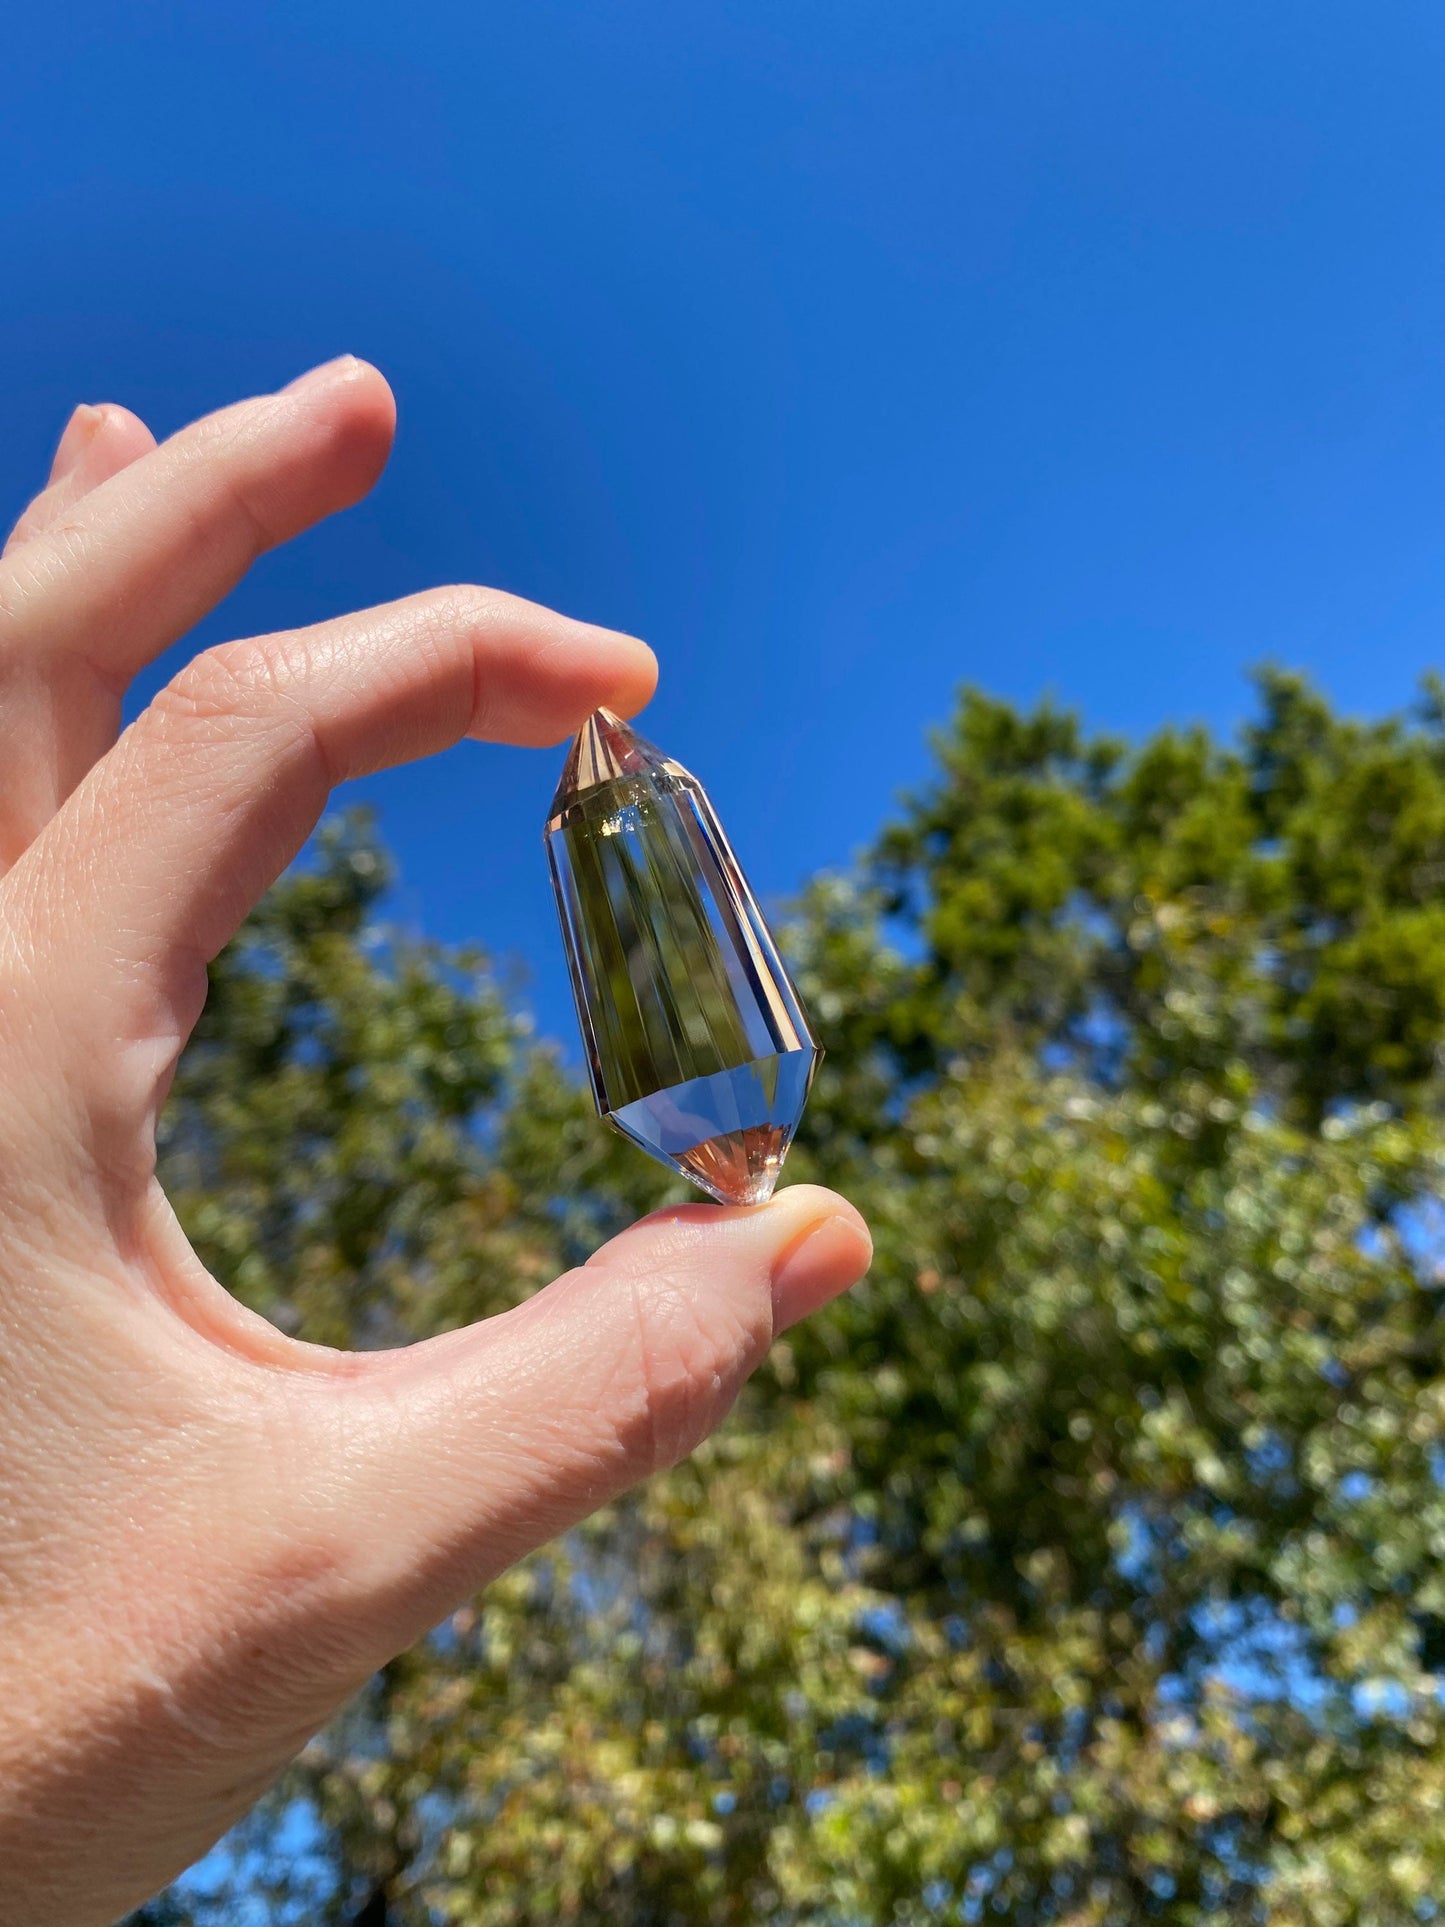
x=1085, y=1565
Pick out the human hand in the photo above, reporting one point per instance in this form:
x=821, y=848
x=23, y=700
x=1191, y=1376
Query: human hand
x=211, y=1534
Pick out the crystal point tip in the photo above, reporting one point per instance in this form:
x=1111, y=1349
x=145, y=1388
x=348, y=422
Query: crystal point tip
x=603, y=748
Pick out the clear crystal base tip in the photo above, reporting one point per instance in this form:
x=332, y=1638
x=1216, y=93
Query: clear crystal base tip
x=697, y=1046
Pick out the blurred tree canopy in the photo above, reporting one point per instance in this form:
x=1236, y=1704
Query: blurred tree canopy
x=1084, y=1566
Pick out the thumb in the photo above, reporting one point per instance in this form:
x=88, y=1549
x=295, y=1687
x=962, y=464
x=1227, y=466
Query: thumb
x=461, y=1454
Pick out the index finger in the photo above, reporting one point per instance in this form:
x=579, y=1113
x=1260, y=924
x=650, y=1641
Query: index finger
x=161, y=851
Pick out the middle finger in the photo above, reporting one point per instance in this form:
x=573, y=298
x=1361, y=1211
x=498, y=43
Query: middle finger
x=85, y=605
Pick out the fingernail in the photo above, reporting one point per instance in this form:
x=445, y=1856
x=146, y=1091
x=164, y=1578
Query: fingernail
x=75, y=438
x=824, y=1261
x=323, y=376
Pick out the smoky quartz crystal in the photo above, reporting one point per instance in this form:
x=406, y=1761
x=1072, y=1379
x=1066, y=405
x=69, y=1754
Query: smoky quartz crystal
x=697, y=1046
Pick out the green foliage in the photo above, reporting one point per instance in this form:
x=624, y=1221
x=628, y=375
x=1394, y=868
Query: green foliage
x=1084, y=1566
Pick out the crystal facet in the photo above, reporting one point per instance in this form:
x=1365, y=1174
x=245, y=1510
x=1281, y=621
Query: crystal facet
x=697, y=1046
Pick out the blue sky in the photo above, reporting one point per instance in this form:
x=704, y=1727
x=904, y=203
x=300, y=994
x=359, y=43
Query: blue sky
x=844, y=351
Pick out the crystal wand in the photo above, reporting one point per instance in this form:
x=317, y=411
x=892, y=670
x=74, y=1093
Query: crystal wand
x=697, y=1046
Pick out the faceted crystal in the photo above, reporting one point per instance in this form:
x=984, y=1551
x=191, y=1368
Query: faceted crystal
x=697, y=1046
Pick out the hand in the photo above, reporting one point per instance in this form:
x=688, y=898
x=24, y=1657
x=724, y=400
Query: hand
x=210, y=1534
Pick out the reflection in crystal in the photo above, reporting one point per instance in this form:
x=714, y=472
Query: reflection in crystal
x=697, y=1046
x=741, y=1167
x=729, y=1132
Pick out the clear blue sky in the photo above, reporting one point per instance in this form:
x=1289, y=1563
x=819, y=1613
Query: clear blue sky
x=843, y=351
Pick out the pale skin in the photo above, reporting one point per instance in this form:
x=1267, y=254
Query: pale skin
x=210, y=1533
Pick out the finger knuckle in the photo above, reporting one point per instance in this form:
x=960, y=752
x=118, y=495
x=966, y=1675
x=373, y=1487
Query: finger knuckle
x=220, y=438
x=232, y=680
x=463, y=605
x=461, y=613
x=224, y=451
